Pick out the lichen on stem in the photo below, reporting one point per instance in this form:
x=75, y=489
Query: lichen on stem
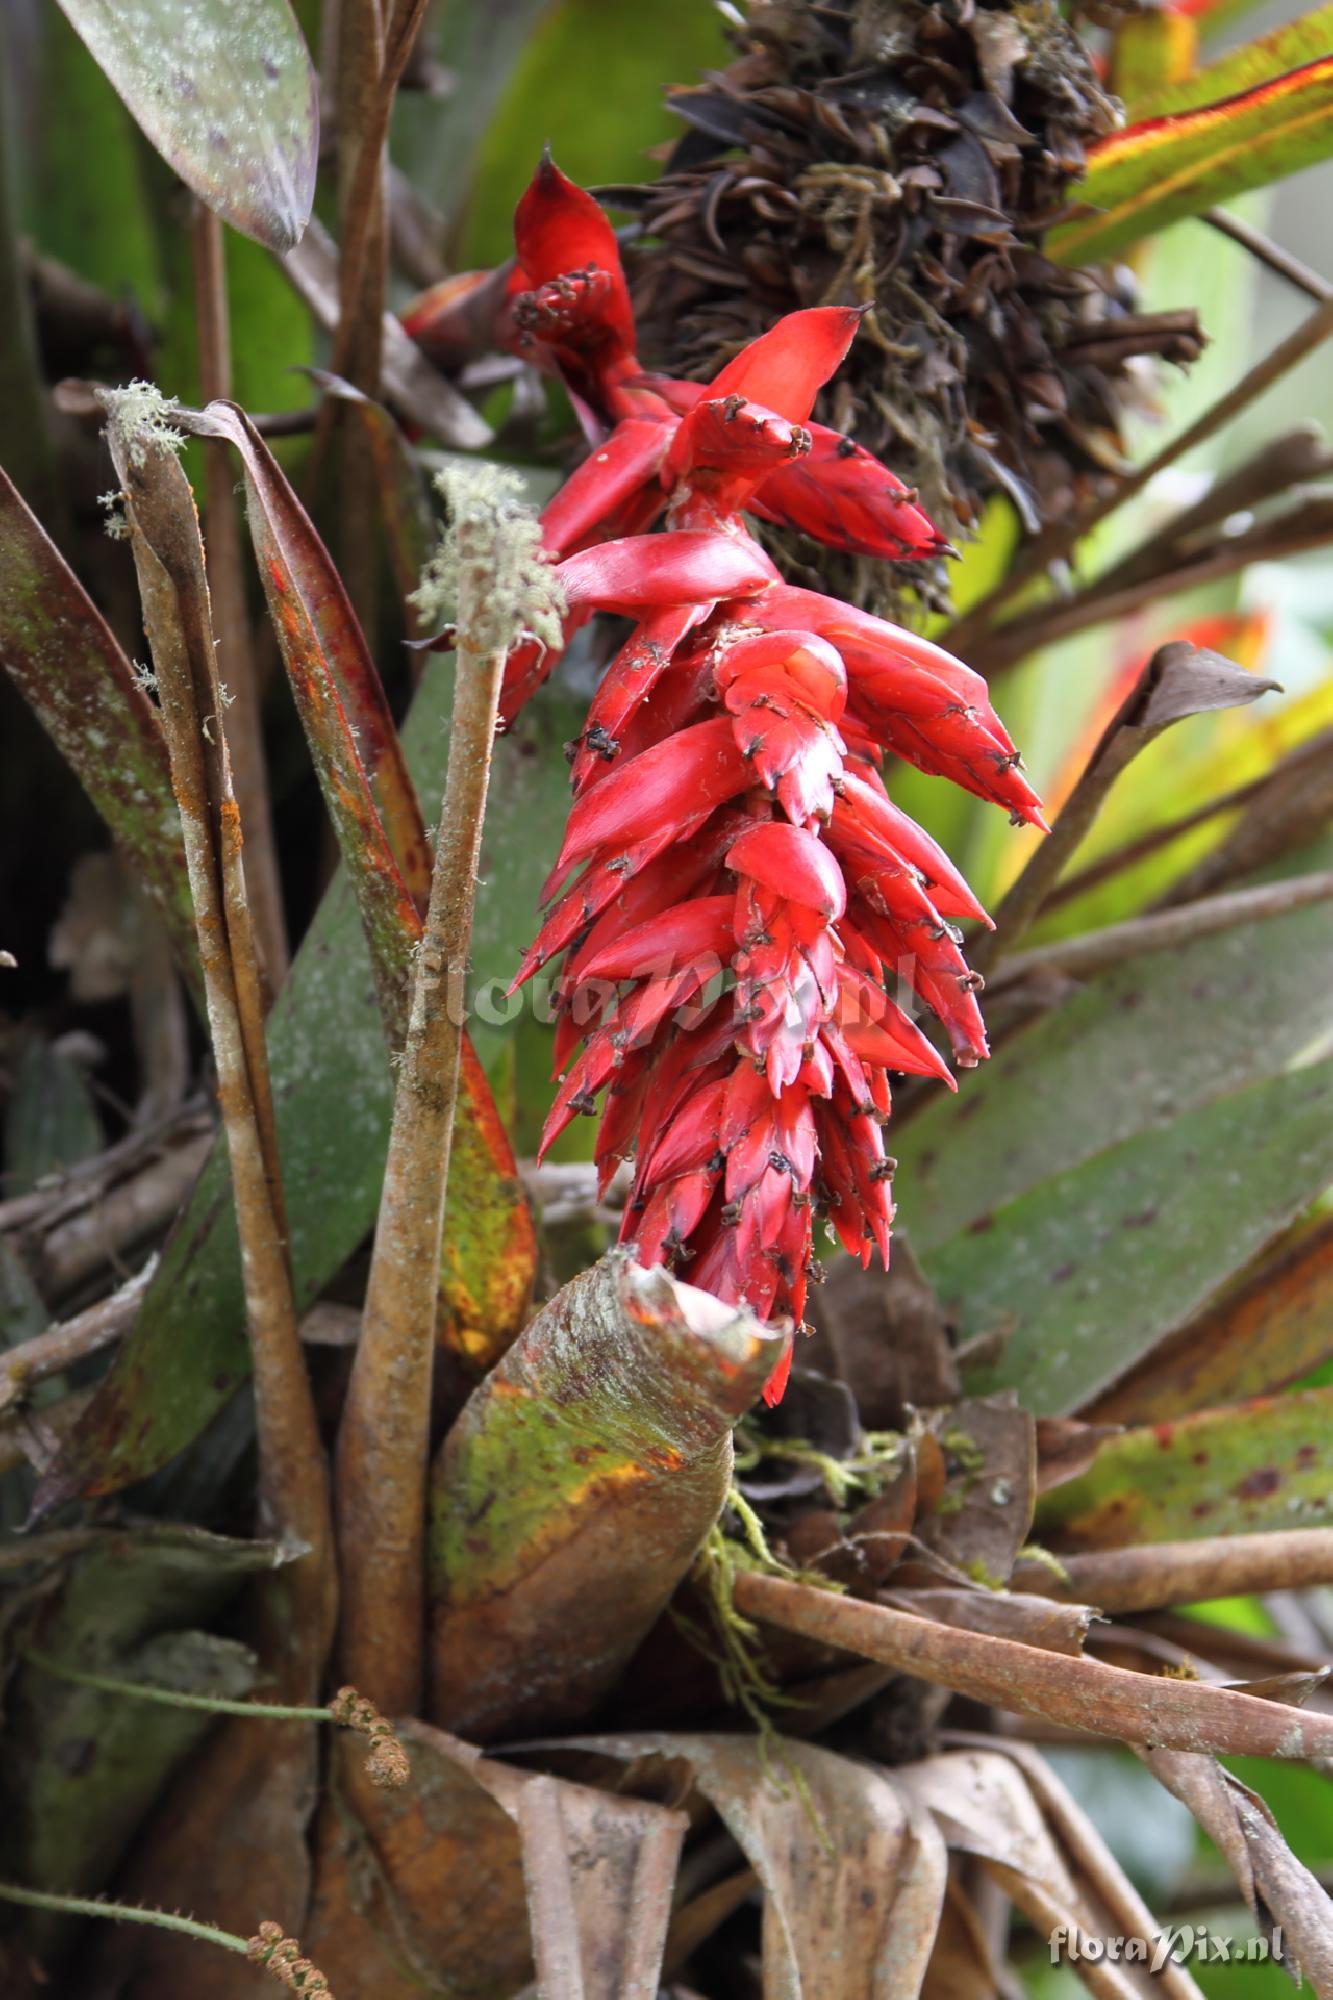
x=490, y=564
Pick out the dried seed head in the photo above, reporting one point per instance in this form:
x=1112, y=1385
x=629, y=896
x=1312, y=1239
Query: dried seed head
x=387, y=1763
x=490, y=574
x=282, y=1957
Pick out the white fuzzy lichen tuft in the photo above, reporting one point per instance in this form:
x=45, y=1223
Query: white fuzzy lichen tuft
x=115, y=525
x=141, y=419
x=490, y=575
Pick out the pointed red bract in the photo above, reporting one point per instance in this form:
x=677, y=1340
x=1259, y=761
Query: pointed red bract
x=746, y=916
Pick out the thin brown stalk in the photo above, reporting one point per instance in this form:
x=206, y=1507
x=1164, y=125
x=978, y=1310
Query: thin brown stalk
x=1079, y=1693
x=1178, y=681
x=231, y=623
x=296, y=1603
x=1307, y=524
x=383, y=1444
x=1164, y=930
x=31, y=1438
x=1315, y=750
x=1059, y=540
x=1163, y=1573
x=1272, y=254
x=52, y=1352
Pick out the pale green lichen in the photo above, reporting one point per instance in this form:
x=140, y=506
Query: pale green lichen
x=490, y=575
x=140, y=419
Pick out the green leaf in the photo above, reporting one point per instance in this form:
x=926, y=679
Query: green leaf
x=597, y=134
x=83, y=1766
x=87, y=193
x=1088, y=1271
x=333, y=1096
x=226, y=92
x=1233, y=1471
x=1269, y=57
x=59, y=652
x=1157, y=171
x=1137, y=1048
x=52, y=1122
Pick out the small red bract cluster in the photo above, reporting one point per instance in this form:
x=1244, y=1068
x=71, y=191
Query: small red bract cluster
x=731, y=838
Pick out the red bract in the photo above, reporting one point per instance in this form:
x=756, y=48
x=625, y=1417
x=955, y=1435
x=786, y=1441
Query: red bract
x=745, y=916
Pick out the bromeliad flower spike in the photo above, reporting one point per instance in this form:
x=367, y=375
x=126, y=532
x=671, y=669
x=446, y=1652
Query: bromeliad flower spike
x=731, y=833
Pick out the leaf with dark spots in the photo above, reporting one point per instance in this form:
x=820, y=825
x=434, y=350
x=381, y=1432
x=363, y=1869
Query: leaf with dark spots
x=1272, y=1327
x=1252, y=1466
x=1135, y=1049
x=1225, y=1179
x=227, y=94
x=57, y=649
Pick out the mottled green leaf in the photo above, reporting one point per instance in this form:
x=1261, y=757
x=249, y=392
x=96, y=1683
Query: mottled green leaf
x=1155, y=172
x=1134, y=1050
x=333, y=1096
x=82, y=1766
x=227, y=94
x=1232, y=1471
x=59, y=652
x=52, y=1122
x=1089, y=1270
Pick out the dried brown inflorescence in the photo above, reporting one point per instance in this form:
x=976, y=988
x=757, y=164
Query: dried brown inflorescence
x=909, y=157
x=282, y=1957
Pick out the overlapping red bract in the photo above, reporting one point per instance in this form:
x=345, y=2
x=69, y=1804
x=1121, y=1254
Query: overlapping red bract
x=731, y=831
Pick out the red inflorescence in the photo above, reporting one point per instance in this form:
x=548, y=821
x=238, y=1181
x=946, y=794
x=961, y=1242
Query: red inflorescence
x=737, y=898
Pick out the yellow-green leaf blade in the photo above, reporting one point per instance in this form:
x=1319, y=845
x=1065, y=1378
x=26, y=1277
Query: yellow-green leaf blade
x=1163, y=169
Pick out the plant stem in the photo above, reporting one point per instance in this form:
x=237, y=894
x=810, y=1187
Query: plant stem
x=383, y=1444
x=1162, y=1573
x=296, y=1605
x=123, y=1913
x=1082, y=1693
x=1164, y=930
x=264, y=1711
x=231, y=624
x=1272, y=254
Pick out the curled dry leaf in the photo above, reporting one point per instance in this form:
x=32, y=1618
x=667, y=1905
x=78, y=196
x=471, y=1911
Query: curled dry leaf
x=980, y=1520
x=1278, y=1889
x=983, y=1806
x=575, y=1489
x=852, y=1869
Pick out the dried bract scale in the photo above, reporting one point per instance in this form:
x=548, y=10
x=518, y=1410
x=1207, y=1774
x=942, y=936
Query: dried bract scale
x=908, y=159
x=746, y=920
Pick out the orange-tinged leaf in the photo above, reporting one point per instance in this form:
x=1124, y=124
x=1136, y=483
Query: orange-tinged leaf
x=1163, y=169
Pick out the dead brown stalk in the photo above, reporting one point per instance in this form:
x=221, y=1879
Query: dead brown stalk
x=296, y=1605
x=1078, y=1693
